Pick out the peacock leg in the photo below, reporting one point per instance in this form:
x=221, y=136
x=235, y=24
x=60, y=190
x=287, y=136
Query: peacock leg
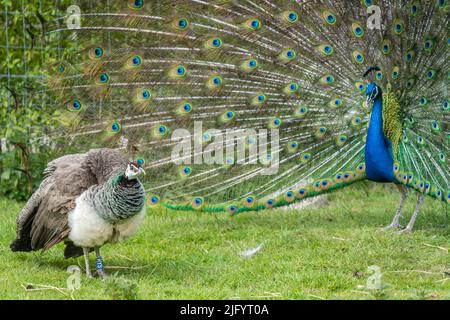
x=410, y=225
x=99, y=264
x=395, y=222
x=86, y=262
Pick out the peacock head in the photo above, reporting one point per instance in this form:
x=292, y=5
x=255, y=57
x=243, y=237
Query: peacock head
x=134, y=169
x=373, y=92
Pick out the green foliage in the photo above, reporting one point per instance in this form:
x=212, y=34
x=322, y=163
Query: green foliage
x=24, y=115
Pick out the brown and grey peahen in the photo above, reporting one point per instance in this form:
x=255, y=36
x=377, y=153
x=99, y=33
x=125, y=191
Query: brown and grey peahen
x=316, y=95
x=85, y=200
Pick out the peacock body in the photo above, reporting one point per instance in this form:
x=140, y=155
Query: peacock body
x=286, y=80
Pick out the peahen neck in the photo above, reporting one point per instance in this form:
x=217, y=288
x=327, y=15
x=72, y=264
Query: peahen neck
x=378, y=151
x=118, y=199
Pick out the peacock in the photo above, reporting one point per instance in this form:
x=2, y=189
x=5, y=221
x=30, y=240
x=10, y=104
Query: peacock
x=239, y=106
x=85, y=200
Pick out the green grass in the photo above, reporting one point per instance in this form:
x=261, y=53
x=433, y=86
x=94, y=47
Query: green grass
x=321, y=252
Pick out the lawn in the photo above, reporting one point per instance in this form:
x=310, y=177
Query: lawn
x=319, y=252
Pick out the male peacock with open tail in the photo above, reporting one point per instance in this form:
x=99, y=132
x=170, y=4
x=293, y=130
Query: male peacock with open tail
x=288, y=79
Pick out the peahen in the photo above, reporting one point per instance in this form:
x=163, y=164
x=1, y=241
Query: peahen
x=85, y=200
x=248, y=105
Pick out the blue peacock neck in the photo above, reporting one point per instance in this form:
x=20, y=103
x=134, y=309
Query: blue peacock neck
x=378, y=151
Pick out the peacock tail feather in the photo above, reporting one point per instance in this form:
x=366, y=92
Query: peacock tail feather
x=169, y=80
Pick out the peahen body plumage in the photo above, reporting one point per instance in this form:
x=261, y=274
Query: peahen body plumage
x=323, y=98
x=85, y=200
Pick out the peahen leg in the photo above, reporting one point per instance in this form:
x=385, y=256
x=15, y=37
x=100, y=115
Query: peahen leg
x=99, y=264
x=395, y=222
x=410, y=225
x=86, y=262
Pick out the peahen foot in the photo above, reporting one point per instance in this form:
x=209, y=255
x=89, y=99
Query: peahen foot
x=395, y=222
x=86, y=262
x=99, y=264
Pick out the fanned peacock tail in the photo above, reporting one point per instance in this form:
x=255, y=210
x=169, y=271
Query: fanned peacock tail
x=144, y=71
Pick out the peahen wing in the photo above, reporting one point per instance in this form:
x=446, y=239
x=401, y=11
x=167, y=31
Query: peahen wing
x=151, y=74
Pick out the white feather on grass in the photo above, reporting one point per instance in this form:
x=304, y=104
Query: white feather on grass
x=251, y=252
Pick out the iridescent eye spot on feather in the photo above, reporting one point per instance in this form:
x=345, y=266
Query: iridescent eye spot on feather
x=96, y=53
x=227, y=116
x=287, y=55
x=335, y=103
x=136, y=4
x=326, y=49
x=356, y=121
x=410, y=83
x=399, y=26
x=181, y=24
x=409, y=56
x=358, y=57
x=146, y=94
x=367, y=3
x=249, y=65
x=357, y=30
x=290, y=17
x=423, y=101
x=305, y=157
x=74, y=106
x=441, y=4
x=300, y=111
x=253, y=24
x=184, y=108
x=135, y=61
x=445, y=106
x=386, y=46
x=442, y=157
x=197, y=203
x=214, y=43
x=321, y=132
x=291, y=88
x=361, y=169
x=275, y=123
x=431, y=74
x=259, y=99
x=360, y=87
x=341, y=140
x=435, y=126
x=379, y=75
x=302, y=192
x=329, y=17
x=214, y=82
x=103, y=78
x=160, y=131
x=249, y=201
x=232, y=209
x=61, y=68
x=153, y=200
x=429, y=45
x=292, y=147
x=414, y=8
x=269, y=204
x=116, y=127
x=289, y=196
x=185, y=171
x=327, y=79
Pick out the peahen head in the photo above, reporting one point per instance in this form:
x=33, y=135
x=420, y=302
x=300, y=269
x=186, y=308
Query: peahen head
x=134, y=169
